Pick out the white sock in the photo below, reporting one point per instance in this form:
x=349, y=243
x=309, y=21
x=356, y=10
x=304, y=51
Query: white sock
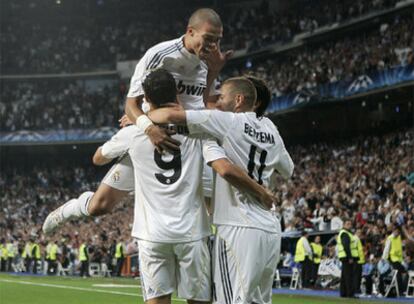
x=77, y=207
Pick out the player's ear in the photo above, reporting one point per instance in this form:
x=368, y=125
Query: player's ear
x=190, y=31
x=239, y=98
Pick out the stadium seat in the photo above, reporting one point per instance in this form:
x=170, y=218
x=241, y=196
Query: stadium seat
x=393, y=284
x=295, y=282
x=410, y=284
x=277, y=281
x=62, y=271
x=94, y=270
x=105, y=272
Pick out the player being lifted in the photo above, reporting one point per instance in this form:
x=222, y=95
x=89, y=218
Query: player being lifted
x=170, y=218
x=247, y=245
x=194, y=60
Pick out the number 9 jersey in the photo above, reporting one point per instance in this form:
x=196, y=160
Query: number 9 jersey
x=169, y=205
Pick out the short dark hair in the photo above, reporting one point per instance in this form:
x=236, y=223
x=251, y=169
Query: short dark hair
x=205, y=15
x=159, y=87
x=243, y=86
x=304, y=233
x=263, y=94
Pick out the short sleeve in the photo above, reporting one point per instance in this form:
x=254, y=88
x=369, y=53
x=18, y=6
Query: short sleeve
x=213, y=122
x=212, y=151
x=135, y=87
x=119, y=143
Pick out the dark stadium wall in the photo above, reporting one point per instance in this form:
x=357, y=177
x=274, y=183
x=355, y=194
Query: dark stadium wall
x=365, y=115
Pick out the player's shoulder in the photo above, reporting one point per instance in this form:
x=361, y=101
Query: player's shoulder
x=129, y=131
x=268, y=123
x=165, y=47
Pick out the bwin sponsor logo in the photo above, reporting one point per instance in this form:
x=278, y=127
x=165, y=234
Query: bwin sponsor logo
x=190, y=89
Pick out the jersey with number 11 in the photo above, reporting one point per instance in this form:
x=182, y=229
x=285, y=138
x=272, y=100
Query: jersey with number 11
x=253, y=144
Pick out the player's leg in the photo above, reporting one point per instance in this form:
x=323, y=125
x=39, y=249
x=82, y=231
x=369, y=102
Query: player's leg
x=272, y=251
x=104, y=200
x=238, y=264
x=160, y=300
x=117, y=183
x=157, y=267
x=194, y=271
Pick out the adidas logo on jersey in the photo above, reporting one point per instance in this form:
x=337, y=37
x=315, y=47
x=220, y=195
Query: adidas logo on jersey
x=190, y=89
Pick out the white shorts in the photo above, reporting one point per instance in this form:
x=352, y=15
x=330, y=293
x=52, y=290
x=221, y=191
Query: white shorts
x=182, y=267
x=244, y=265
x=121, y=175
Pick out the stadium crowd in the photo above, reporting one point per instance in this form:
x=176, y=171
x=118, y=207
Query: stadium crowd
x=305, y=68
x=58, y=105
x=30, y=196
x=97, y=43
x=369, y=180
x=243, y=25
x=45, y=104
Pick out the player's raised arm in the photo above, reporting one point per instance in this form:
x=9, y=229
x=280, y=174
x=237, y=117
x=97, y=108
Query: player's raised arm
x=215, y=62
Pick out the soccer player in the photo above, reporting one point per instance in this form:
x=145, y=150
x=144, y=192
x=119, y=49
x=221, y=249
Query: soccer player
x=170, y=218
x=195, y=61
x=247, y=246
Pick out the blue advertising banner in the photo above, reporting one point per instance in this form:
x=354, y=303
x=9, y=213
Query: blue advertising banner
x=341, y=89
x=48, y=137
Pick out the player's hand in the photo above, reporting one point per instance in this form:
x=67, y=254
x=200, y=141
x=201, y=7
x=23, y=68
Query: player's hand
x=162, y=140
x=216, y=59
x=124, y=121
x=268, y=198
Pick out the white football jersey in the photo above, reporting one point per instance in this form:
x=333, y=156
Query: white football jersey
x=169, y=206
x=190, y=73
x=250, y=143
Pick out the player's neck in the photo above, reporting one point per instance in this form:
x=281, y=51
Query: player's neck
x=243, y=110
x=187, y=44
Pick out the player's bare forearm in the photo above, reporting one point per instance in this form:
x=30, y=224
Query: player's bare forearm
x=238, y=178
x=173, y=115
x=215, y=62
x=133, y=108
x=98, y=159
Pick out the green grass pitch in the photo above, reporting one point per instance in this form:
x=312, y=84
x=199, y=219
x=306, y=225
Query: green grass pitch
x=16, y=289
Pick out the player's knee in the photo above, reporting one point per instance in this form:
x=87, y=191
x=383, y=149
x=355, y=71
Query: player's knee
x=160, y=300
x=100, y=205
